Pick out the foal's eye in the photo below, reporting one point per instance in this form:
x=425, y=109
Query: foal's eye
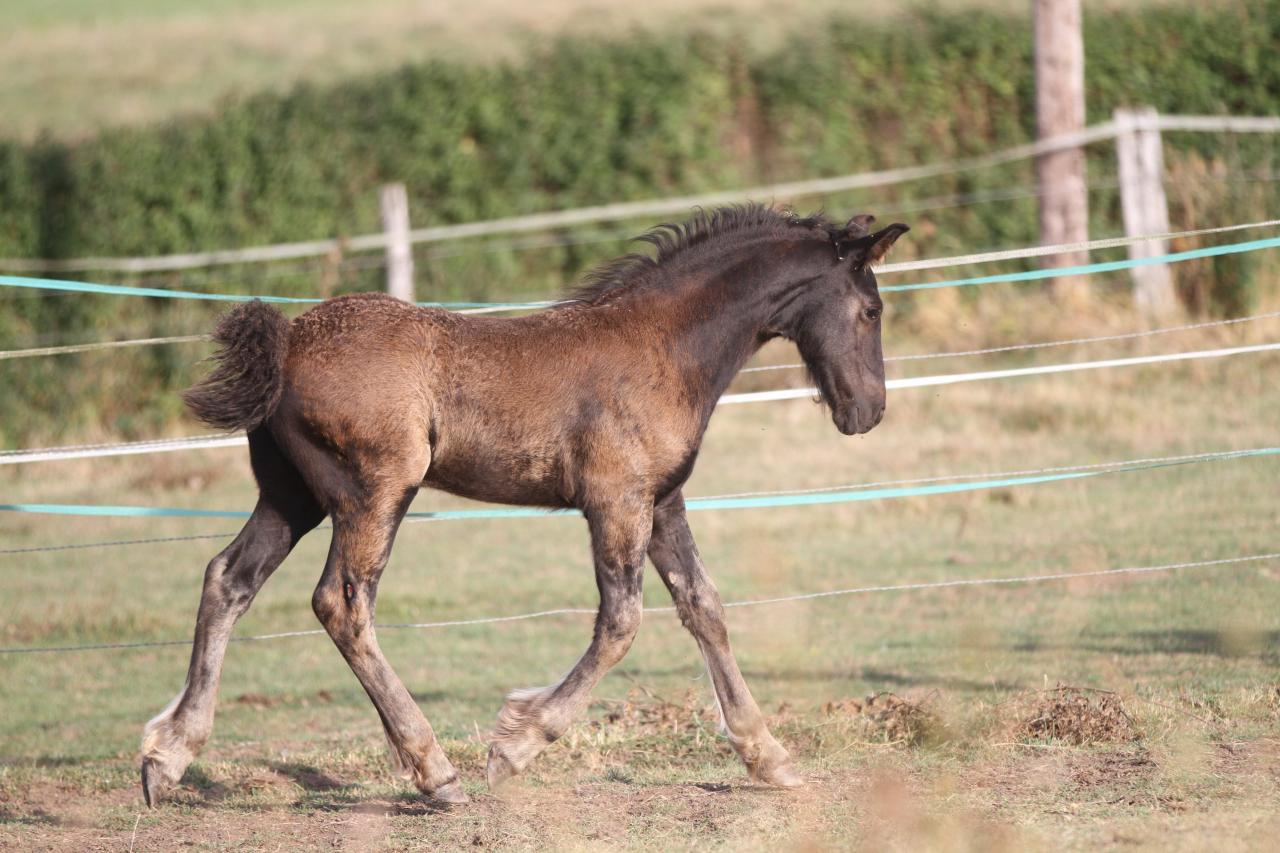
x=871, y=314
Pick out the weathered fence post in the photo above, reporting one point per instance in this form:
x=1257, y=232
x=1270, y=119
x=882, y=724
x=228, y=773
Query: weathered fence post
x=1064, y=201
x=1140, y=163
x=394, y=202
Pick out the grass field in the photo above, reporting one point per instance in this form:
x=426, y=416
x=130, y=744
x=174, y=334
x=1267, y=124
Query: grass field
x=69, y=67
x=297, y=757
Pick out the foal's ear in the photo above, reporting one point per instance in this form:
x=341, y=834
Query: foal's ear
x=872, y=248
x=860, y=225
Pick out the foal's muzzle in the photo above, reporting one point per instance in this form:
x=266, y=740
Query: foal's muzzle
x=856, y=419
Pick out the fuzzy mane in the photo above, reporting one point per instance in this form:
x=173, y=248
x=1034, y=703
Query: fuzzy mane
x=676, y=239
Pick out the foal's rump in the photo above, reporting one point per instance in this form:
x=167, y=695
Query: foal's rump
x=366, y=342
x=338, y=393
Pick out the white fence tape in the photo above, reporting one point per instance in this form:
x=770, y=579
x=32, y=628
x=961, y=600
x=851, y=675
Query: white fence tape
x=1146, y=333
x=128, y=448
x=953, y=378
x=18, y=457
x=100, y=345
x=1062, y=248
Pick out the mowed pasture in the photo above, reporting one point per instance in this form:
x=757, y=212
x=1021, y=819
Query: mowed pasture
x=143, y=61
x=297, y=759
x=71, y=67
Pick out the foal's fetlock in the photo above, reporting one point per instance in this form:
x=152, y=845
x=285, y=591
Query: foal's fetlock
x=429, y=770
x=768, y=763
x=518, y=737
x=510, y=755
x=165, y=756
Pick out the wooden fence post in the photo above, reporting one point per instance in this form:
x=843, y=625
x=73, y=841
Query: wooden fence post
x=394, y=202
x=1064, y=200
x=1140, y=164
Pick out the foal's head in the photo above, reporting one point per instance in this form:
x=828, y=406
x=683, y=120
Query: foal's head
x=835, y=323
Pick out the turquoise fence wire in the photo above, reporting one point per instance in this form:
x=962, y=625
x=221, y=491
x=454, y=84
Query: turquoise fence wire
x=1029, y=275
x=753, y=502
x=1090, y=269
x=165, y=293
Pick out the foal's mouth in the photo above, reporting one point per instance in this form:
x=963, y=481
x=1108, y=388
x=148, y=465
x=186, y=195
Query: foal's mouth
x=853, y=421
x=848, y=413
x=844, y=415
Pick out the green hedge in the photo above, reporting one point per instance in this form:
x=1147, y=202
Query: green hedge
x=584, y=122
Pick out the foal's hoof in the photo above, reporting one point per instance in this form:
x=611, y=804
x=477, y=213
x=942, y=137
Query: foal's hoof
x=499, y=771
x=451, y=793
x=153, y=783
x=779, y=776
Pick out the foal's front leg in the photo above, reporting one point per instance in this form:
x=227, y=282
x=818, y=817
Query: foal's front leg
x=675, y=556
x=532, y=719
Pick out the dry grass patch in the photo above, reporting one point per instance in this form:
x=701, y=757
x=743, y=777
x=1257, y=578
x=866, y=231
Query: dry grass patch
x=1075, y=715
x=888, y=718
x=643, y=730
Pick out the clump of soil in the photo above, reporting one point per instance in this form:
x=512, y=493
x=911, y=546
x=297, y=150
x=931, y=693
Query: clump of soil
x=888, y=718
x=261, y=700
x=642, y=730
x=1076, y=716
x=644, y=714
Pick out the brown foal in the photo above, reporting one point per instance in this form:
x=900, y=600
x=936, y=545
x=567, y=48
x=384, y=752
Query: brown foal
x=599, y=403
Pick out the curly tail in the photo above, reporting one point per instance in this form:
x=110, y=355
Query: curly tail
x=244, y=388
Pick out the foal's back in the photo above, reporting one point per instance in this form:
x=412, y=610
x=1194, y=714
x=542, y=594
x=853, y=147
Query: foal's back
x=539, y=409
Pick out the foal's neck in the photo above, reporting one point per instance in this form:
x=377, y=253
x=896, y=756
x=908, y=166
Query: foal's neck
x=726, y=308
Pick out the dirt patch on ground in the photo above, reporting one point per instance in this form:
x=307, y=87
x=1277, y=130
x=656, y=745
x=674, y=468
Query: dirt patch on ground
x=1115, y=769
x=271, y=816
x=1260, y=758
x=263, y=700
x=650, y=773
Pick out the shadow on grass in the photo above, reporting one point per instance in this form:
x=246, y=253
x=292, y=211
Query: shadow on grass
x=36, y=817
x=1224, y=643
x=307, y=777
x=430, y=695
x=59, y=761
x=879, y=678
x=211, y=791
x=398, y=805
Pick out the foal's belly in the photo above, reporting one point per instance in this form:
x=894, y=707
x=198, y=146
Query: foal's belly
x=500, y=476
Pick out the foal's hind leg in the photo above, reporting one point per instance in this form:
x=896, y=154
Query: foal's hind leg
x=285, y=512
x=675, y=556
x=344, y=602
x=532, y=719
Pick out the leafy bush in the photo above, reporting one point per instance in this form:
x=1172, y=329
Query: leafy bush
x=584, y=122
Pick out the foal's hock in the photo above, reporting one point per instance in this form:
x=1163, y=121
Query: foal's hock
x=598, y=403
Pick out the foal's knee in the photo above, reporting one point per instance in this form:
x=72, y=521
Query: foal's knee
x=233, y=578
x=702, y=613
x=618, y=627
x=333, y=605
x=343, y=607
x=225, y=586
